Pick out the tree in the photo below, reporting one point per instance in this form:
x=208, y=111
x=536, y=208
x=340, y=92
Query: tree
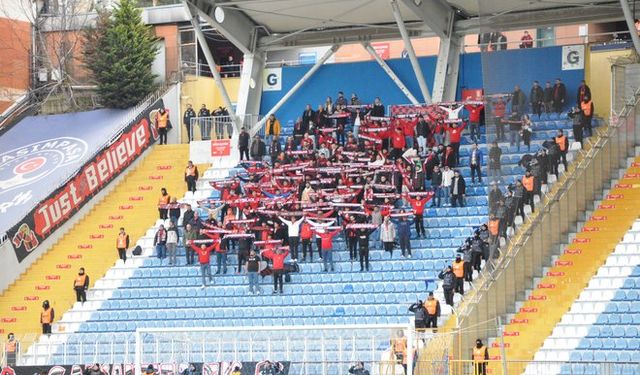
x=119, y=51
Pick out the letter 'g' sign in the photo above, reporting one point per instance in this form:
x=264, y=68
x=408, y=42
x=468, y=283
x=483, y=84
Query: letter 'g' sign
x=272, y=79
x=573, y=57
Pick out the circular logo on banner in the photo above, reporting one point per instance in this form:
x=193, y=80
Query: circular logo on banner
x=31, y=163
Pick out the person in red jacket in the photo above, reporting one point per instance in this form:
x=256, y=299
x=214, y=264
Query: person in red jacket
x=306, y=233
x=326, y=240
x=397, y=143
x=408, y=129
x=204, y=257
x=455, y=134
x=277, y=256
x=475, y=111
x=418, y=205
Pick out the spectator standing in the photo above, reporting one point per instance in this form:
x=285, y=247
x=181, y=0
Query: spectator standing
x=122, y=244
x=277, y=256
x=458, y=270
x=536, y=98
x=377, y=110
x=253, y=269
x=495, y=165
x=436, y=186
x=455, y=134
x=458, y=190
x=418, y=204
x=163, y=201
x=221, y=251
x=448, y=284
x=559, y=95
x=244, y=249
x=419, y=314
x=189, y=114
x=257, y=148
x=475, y=163
x=326, y=243
x=499, y=108
x=388, y=235
x=12, y=347
x=526, y=132
x=46, y=317
x=587, y=115
x=174, y=210
x=306, y=233
x=190, y=235
x=243, y=144
x=501, y=41
x=160, y=242
x=518, y=101
x=163, y=125
x=583, y=91
x=294, y=235
x=191, y=175
x=172, y=243
x=548, y=97
x=526, y=41
x=308, y=117
x=515, y=128
x=273, y=127
x=403, y=227
x=576, y=118
x=363, y=246
x=204, y=115
x=432, y=305
x=204, y=258
x=475, y=113
x=447, y=180
x=80, y=286
x=422, y=133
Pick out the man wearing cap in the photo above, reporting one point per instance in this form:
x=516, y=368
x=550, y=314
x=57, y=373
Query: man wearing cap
x=448, y=283
x=432, y=305
x=480, y=357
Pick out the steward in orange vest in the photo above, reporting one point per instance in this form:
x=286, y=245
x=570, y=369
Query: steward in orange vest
x=11, y=348
x=480, y=357
x=122, y=244
x=46, y=317
x=191, y=176
x=458, y=271
x=164, y=199
x=80, y=285
x=432, y=306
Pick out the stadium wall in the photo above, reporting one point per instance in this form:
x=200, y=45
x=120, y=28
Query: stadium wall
x=368, y=80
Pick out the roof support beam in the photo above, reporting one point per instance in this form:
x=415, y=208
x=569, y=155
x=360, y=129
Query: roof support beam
x=250, y=90
x=424, y=89
x=628, y=17
x=446, y=78
x=391, y=74
x=202, y=41
x=298, y=84
x=232, y=23
x=437, y=15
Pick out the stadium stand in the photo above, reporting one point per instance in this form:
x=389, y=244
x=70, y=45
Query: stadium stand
x=147, y=293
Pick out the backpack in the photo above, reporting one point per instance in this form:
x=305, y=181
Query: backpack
x=137, y=250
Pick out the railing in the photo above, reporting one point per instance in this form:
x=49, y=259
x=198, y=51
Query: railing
x=200, y=69
x=220, y=127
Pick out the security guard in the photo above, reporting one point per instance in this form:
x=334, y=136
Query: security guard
x=46, y=317
x=191, y=176
x=80, y=285
x=432, y=306
x=11, y=348
x=529, y=189
x=563, y=143
x=122, y=244
x=399, y=348
x=458, y=271
x=163, y=201
x=162, y=123
x=480, y=357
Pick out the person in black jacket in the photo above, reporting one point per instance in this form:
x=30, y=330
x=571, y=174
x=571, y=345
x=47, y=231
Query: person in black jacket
x=448, y=283
x=458, y=190
x=547, y=97
x=495, y=165
x=257, y=150
x=308, y=116
x=243, y=144
x=559, y=95
x=80, y=285
x=536, y=98
x=420, y=315
x=518, y=101
x=358, y=369
x=275, y=148
x=436, y=186
x=189, y=113
x=205, y=123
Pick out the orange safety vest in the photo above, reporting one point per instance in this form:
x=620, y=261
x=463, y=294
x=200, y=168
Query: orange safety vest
x=458, y=269
x=46, y=316
x=479, y=354
x=432, y=306
x=191, y=171
x=164, y=199
x=586, y=108
x=12, y=346
x=560, y=141
x=493, y=226
x=162, y=119
x=527, y=182
x=80, y=280
x=121, y=243
x=400, y=345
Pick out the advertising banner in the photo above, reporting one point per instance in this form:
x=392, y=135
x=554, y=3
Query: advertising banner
x=220, y=147
x=61, y=204
x=208, y=368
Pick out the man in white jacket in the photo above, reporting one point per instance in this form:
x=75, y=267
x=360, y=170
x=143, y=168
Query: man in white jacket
x=388, y=235
x=447, y=178
x=294, y=236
